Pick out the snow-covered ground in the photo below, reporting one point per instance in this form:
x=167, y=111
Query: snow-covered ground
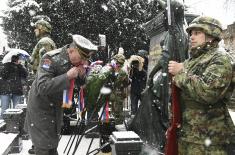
x=82, y=149
x=6, y=140
x=232, y=114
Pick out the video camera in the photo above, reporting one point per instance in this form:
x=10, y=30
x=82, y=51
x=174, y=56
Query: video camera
x=135, y=64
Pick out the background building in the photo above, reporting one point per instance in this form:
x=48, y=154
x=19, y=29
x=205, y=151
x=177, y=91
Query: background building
x=229, y=37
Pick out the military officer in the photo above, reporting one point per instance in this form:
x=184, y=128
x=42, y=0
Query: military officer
x=44, y=111
x=45, y=43
x=204, y=80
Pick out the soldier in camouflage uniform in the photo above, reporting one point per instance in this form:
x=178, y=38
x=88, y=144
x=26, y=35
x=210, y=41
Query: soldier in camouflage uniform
x=118, y=93
x=45, y=43
x=205, y=81
x=113, y=76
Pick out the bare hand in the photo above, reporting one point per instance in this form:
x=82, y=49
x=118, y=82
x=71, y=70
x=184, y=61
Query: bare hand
x=175, y=67
x=82, y=71
x=76, y=71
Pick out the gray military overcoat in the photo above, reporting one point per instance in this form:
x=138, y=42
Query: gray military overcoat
x=44, y=113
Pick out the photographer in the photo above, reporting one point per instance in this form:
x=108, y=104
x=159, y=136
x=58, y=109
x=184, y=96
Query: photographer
x=138, y=76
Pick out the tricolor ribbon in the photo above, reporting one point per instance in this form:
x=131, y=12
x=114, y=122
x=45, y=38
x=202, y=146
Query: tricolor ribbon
x=81, y=98
x=68, y=95
x=105, y=115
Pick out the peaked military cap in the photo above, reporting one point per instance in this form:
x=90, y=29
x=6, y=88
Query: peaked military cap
x=86, y=46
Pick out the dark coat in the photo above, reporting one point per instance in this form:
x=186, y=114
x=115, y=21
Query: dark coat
x=3, y=87
x=44, y=112
x=138, y=82
x=12, y=76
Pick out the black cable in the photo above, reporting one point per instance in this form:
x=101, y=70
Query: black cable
x=87, y=153
x=70, y=137
x=88, y=122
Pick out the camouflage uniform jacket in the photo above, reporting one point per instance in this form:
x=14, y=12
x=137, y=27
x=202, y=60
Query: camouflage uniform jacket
x=45, y=44
x=204, y=85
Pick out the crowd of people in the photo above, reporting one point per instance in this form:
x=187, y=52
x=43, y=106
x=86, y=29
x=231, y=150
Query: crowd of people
x=204, y=81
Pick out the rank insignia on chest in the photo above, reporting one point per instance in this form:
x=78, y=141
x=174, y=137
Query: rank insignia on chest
x=46, y=63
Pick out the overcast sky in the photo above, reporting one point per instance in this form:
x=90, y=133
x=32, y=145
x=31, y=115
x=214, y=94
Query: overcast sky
x=3, y=41
x=214, y=8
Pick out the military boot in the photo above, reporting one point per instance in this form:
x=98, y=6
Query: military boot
x=32, y=150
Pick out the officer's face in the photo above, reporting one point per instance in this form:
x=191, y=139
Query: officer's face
x=75, y=57
x=197, y=38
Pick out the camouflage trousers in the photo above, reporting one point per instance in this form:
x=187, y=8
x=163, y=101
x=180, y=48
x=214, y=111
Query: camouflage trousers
x=188, y=148
x=117, y=111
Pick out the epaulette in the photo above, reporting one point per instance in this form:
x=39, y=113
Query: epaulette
x=45, y=39
x=54, y=52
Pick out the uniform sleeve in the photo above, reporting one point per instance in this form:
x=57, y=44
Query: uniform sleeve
x=34, y=54
x=48, y=82
x=209, y=87
x=40, y=49
x=44, y=47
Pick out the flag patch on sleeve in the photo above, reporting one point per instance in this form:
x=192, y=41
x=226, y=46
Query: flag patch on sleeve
x=46, y=63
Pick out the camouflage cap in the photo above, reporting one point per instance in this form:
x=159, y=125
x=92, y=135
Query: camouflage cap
x=85, y=46
x=120, y=58
x=209, y=25
x=43, y=25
